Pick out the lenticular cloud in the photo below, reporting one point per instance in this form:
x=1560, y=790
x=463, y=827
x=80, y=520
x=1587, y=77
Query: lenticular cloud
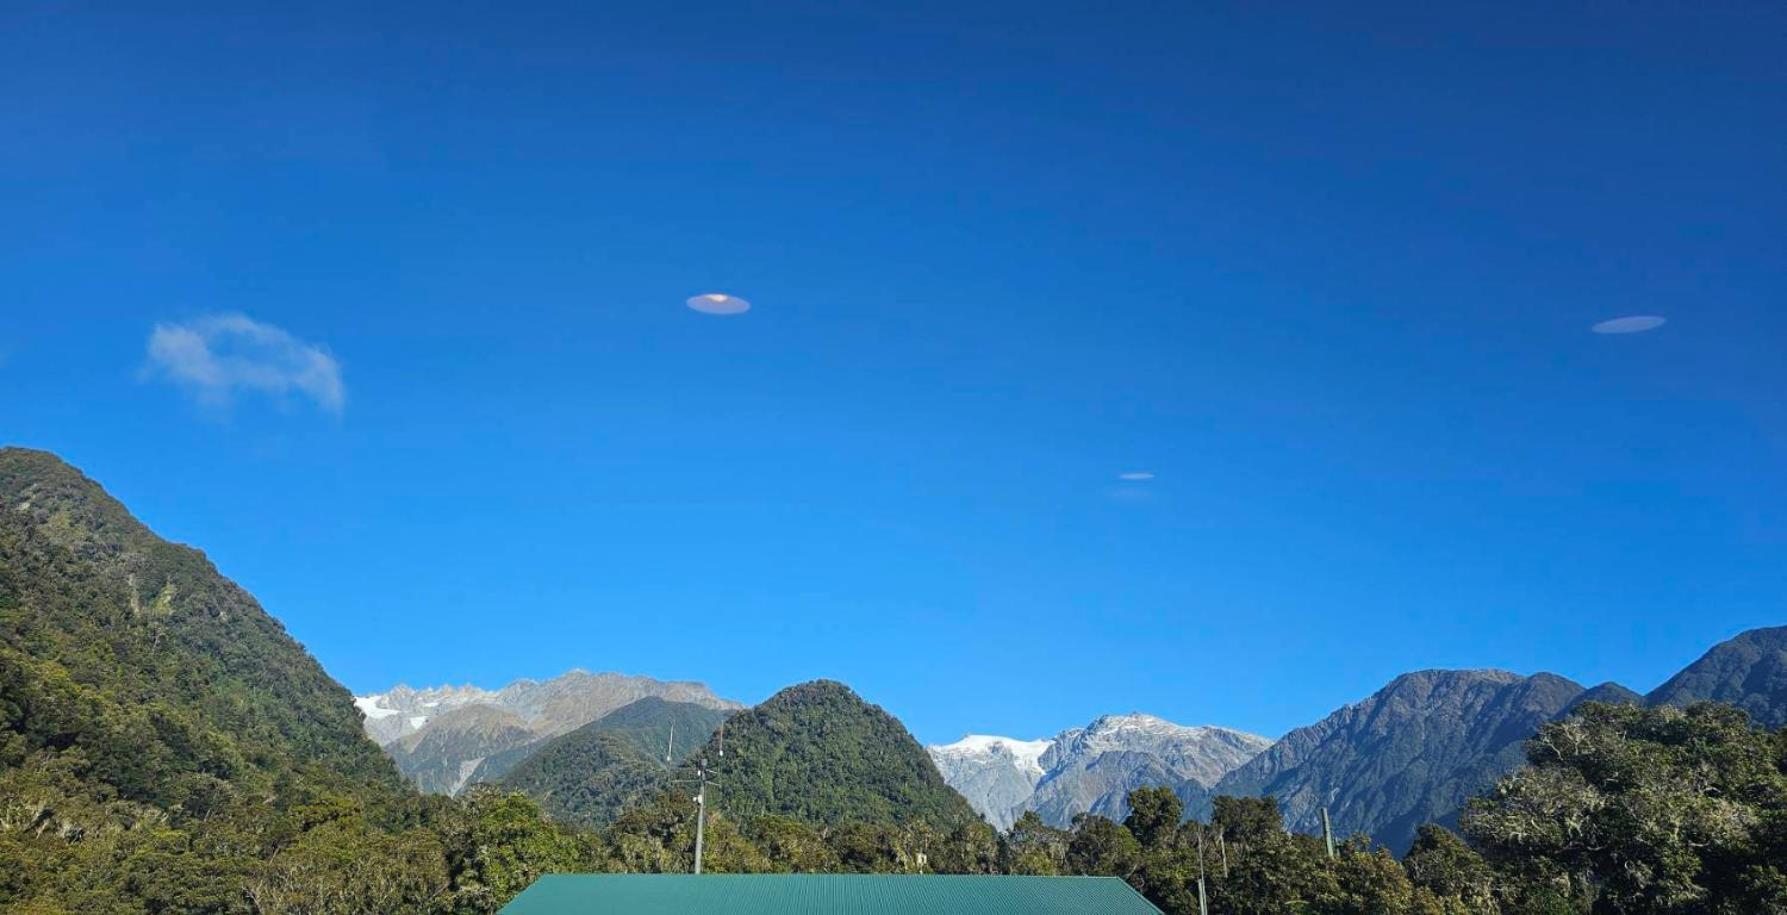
x=718, y=303
x=1631, y=324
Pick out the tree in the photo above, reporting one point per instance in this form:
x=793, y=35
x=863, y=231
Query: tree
x=1644, y=812
x=1269, y=871
x=791, y=845
x=1245, y=820
x=659, y=837
x=1101, y=847
x=1154, y=815
x=1448, y=869
x=497, y=844
x=970, y=848
x=869, y=848
x=1034, y=847
x=343, y=867
x=1362, y=880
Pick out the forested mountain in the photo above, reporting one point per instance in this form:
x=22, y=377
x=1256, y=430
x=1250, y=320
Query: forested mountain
x=445, y=738
x=1749, y=671
x=167, y=749
x=818, y=753
x=1608, y=693
x=166, y=679
x=589, y=775
x=1410, y=754
x=161, y=737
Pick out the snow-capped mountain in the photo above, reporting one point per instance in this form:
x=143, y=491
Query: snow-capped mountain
x=1090, y=769
x=439, y=736
x=995, y=774
x=403, y=711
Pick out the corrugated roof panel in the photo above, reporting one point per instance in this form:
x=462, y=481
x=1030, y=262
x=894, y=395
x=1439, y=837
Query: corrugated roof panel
x=831, y=894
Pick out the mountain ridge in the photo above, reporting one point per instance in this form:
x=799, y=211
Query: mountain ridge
x=1748, y=670
x=442, y=746
x=1412, y=752
x=1089, y=769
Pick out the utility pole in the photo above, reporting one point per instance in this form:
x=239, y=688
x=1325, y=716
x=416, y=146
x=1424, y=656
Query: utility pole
x=1328, y=833
x=1222, y=844
x=703, y=778
x=700, y=823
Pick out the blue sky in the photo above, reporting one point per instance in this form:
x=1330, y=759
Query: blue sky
x=384, y=310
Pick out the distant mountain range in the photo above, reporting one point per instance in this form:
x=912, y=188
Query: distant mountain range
x=1090, y=769
x=1408, y=754
x=1411, y=753
x=447, y=737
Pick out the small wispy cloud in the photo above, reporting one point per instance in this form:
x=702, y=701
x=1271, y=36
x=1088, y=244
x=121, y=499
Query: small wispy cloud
x=1630, y=324
x=1136, y=476
x=217, y=356
x=719, y=303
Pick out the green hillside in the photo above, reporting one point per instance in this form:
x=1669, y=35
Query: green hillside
x=590, y=775
x=166, y=747
x=818, y=753
x=131, y=661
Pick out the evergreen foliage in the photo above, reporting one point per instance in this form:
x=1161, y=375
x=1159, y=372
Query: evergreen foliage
x=165, y=746
x=588, y=781
x=817, y=752
x=587, y=777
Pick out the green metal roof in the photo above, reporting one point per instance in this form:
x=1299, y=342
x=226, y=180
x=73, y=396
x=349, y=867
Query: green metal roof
x=830, y=894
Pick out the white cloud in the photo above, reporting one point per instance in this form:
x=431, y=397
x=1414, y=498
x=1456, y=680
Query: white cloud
x=1136, y=476
x=719, y=303
x=216, y=356
x=1631, y=324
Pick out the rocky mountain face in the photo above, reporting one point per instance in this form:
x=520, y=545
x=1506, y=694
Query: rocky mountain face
x=1090, y=769
x=817, y=752
x=447, y=737
x=442, y=758
x=1749, y=671
x=1093, y=769
x=996, y=774
x=1410, y=754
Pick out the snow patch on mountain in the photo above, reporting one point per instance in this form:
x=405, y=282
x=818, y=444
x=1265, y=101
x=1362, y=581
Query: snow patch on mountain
x=975, y=747
x=1090, y=769
x=369, y=706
